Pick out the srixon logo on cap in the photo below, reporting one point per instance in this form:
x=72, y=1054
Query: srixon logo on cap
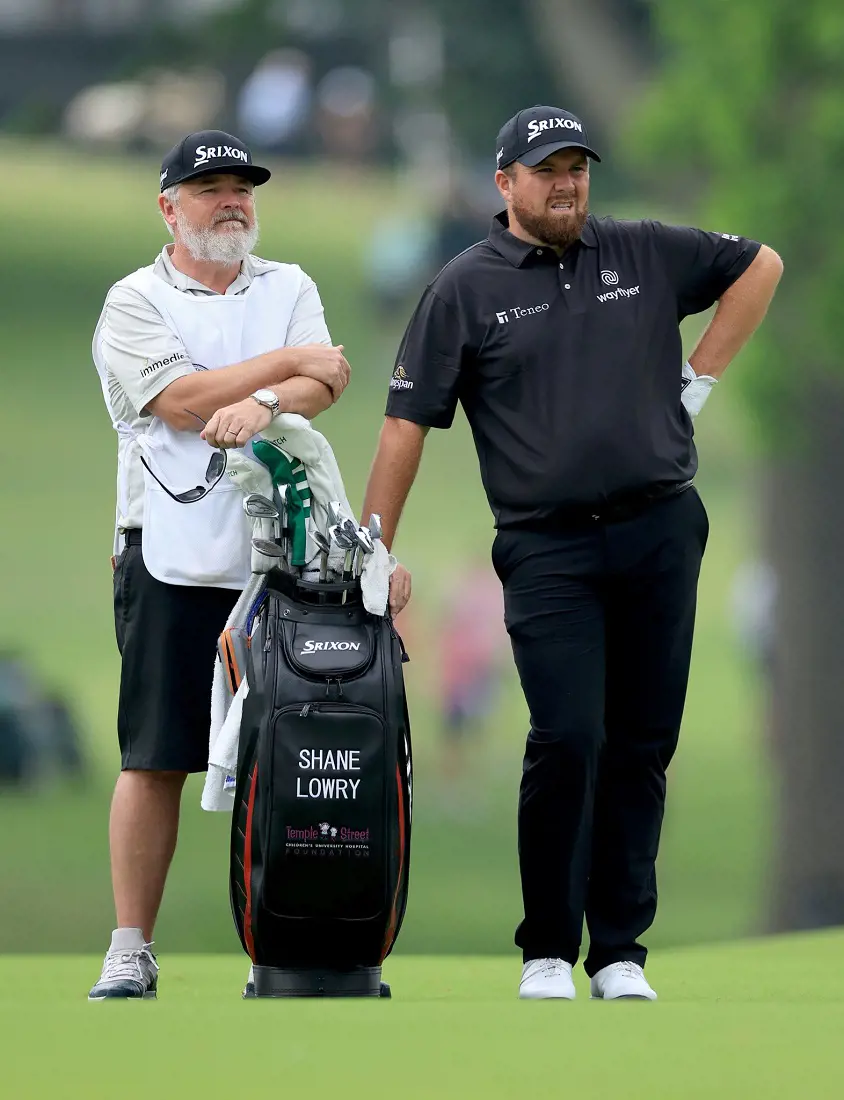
x=206, y=153
x=536, y=128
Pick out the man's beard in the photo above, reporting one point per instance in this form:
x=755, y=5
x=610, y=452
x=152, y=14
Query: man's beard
x=555, y=231
x=206, y=243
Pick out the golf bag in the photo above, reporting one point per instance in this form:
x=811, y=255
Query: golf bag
x=320, y=842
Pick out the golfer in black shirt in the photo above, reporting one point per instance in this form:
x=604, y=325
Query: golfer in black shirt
x=559, y=335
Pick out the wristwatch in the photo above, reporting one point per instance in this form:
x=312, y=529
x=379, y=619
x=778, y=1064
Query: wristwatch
x=268, y=399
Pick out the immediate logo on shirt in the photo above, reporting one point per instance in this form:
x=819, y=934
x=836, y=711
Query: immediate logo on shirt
x=400, y=381
x=152, y=366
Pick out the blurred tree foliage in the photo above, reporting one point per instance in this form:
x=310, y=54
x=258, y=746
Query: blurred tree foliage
x=746, y=122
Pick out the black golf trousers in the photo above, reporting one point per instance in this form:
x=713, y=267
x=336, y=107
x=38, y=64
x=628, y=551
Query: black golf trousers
x=600, y=617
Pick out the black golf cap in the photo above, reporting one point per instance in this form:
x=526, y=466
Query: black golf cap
x=209, y=151
x=537, y=132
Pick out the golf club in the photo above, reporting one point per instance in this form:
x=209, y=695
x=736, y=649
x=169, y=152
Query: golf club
x=260, y=507
x=268, y=547
x=365, y=546
x=324, y=547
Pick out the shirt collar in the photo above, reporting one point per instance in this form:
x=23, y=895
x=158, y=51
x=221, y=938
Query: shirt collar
x=516, y=250
x=250, y=269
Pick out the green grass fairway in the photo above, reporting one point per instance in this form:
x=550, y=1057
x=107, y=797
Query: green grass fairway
x=757, y=1019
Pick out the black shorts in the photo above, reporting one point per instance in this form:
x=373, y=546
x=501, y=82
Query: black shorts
x=167, y=636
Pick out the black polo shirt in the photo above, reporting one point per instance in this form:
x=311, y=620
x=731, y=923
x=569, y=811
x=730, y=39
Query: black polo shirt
x=568, y=369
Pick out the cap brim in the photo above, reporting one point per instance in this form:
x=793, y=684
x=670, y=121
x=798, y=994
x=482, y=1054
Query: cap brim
x=252, y=172
x=535, y=156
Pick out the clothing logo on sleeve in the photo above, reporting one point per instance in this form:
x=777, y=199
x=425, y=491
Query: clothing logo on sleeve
x=400, y=381
x=730, y=237
x=153, y=365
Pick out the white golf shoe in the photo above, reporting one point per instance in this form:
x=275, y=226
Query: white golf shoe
x=546, y=979
x=130, y=971
x=621, y=981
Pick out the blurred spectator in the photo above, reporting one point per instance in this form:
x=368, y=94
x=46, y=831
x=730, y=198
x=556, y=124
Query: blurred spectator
x=408, y=246
x=346, y=116
x=38, y=736
x=464, y=220
x=753, y=601
x=275, y=101
x=398, y=259
x=473, y=647
x=156, y=108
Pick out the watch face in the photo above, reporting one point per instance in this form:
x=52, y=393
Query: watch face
x=266, y=395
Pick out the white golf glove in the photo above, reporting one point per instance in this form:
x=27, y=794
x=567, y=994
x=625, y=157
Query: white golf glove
x=696, y=389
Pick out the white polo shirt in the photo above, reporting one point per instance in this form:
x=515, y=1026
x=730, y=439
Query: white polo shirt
x=143, y=355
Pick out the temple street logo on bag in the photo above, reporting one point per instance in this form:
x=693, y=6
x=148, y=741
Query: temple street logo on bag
x=400, y=381
x=326, y=839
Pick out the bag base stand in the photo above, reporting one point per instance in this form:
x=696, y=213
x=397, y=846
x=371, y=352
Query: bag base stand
x=363, y=981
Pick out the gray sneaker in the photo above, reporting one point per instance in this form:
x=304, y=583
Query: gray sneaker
x=130, y=971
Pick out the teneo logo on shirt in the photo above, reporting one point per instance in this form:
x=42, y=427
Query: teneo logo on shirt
x=536, y=128
x=518, y=312
x=400, y=381
x=322, y=647
x=206, y=153
x=152, y=367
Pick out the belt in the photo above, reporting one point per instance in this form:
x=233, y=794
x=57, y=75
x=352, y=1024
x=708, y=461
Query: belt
x=132, y=537
x=614, y=510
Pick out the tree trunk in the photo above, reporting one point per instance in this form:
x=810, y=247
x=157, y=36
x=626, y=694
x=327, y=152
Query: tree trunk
x=805, y=532
x=596, y=59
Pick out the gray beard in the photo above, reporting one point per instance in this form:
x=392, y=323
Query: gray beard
x=555, y=232
x=208, y=245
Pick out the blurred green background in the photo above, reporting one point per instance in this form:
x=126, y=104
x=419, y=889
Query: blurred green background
x=379, y=118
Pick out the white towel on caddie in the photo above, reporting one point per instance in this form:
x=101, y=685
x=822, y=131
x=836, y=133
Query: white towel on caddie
x=226, y=714
x=218, y=791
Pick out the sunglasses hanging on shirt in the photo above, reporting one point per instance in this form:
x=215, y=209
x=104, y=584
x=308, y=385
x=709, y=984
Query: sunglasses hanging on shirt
x=213, y=474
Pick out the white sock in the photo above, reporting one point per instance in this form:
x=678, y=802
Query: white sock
x=127, y=939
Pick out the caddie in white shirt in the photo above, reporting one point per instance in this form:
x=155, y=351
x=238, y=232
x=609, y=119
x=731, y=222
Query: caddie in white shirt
x=208, y=333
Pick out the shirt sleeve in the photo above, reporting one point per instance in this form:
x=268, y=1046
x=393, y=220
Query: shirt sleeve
x=425, y=384
x=141, y=352
x=307, y=325
x=701, y=265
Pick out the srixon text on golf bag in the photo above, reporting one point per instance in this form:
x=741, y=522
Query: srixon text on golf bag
x=321, y=828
